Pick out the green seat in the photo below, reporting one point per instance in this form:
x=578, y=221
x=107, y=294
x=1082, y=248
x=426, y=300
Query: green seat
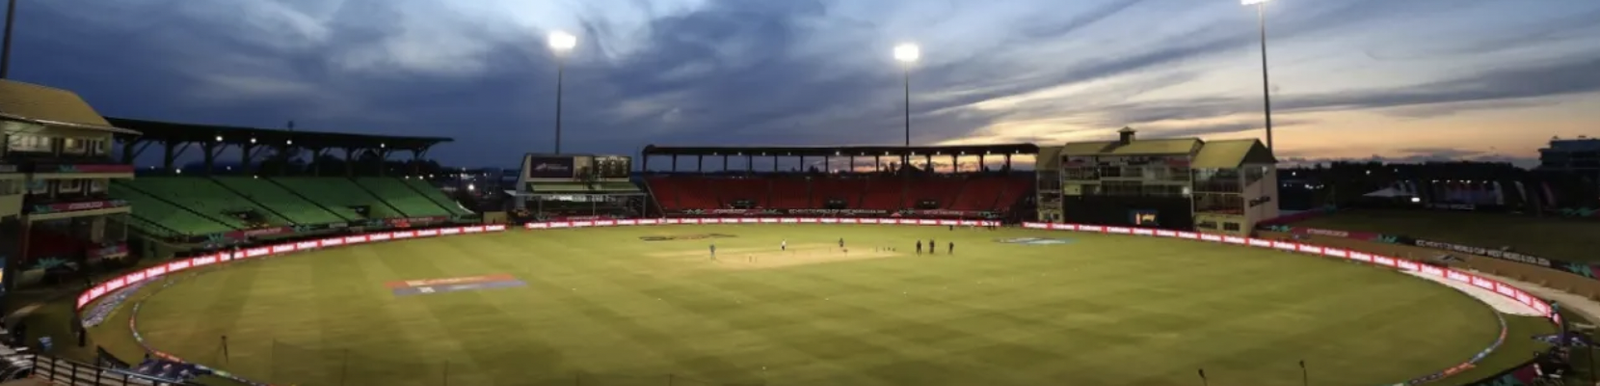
x=402, y=197
x=280, y=200
x=206, y=197
x=160, y=218
x=433, y=193
x=338, y=195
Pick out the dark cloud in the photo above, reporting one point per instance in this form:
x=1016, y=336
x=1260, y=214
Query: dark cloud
x=728, y=72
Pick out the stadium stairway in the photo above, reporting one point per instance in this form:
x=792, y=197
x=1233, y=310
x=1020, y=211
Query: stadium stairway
x=404, y=199
x=158, y=216
x=286, y=203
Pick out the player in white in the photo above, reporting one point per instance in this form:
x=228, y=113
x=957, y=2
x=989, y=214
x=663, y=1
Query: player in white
x=784, y=246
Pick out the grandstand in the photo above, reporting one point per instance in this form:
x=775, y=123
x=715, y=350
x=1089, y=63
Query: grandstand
x=270, y=196
x=873, y=189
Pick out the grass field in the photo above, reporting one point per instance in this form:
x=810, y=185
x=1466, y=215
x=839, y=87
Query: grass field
x=1551, y=237
x=603, y=307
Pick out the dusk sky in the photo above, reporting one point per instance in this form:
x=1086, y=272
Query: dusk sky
x=1401, y=79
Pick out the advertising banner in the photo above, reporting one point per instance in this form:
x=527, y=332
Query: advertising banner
x=78, y=206
x=550, y=167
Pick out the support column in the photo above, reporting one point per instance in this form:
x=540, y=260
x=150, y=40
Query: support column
x=700, y=164
x=167, y=156
x=349, y=162
x=724, y=162
x=674, y=163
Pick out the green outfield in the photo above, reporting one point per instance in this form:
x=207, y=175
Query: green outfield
x=606, y=307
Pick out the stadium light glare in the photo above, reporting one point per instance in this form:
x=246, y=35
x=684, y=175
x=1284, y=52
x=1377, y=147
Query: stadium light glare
x=219, y=138
x=907, y=52
x=252, y=140
x=562, y=41
x=1252, y=2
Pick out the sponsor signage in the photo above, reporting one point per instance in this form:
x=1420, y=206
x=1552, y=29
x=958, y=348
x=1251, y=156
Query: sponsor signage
x=1495, y=253
x=556, y=167
x=78, y=206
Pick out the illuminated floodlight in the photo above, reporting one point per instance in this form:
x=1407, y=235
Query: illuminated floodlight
x=562, y=41
x=1252, y=2
x=907, y=52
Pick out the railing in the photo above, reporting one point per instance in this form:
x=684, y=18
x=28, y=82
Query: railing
x=63, y=372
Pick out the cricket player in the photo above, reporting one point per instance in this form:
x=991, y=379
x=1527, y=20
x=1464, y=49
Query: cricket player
x=933, y=248
x=713, y=251
x=952, y=249
x=919, y=247
x=784, y=246
x=841, y=243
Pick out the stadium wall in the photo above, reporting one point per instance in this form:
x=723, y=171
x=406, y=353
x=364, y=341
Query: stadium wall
x=1171, y=212
x=1522, y=373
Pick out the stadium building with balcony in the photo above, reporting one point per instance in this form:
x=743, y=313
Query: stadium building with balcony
x=1174, y=183
x=55, y=184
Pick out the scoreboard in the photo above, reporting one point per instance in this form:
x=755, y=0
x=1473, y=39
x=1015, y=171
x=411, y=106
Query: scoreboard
x=575, y=167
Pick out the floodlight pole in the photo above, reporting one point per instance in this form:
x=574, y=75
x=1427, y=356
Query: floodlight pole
x=561, y=65
x=5, y=51
x=905, y=157
x=1266, y=93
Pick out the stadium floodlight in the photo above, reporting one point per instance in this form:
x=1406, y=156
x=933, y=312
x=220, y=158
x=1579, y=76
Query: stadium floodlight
x=907, y=53
x=561, y=43
x=1266, y=85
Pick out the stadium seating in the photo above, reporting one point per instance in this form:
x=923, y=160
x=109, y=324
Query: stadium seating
x=208, y=199
x=338, y=195
x=402, y=197
x=734, y=189
x=960, y=192
x=838, y=188
x=884, y=193
x=939, y=189
x=437, y=196
x=280, y=200
x=158, y=217
x=790, y=193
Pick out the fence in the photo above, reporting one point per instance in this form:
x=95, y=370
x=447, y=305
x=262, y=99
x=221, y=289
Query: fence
x=64, y=372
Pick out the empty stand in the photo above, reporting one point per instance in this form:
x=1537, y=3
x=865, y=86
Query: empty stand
x=160, y=217
x=437, y=196
x=402, y=197
x=275, y=197
x=790, y=193
x=207, y=198
x=943, y=190
x=887, y=193
x=733, y=189
x=339, y=195
x=849, y=189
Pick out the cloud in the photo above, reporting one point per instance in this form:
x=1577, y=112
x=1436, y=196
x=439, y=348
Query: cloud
x=818, y=72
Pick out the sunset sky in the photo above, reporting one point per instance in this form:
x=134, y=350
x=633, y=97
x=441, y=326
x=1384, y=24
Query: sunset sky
x=1400, y=79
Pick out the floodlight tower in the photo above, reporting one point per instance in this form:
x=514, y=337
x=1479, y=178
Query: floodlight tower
x=1266, y=93
x=907, y=54
x=561, y=43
